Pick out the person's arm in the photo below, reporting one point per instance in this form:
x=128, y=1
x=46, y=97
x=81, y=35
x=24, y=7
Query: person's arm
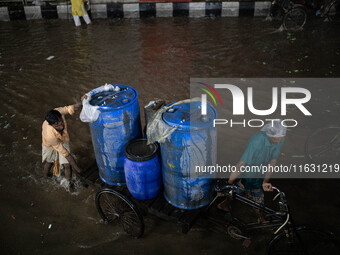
x=66, y=154
x=66, y=109
x=78, y=106
x=234, y=175
x=266, y=185
x=70, y=109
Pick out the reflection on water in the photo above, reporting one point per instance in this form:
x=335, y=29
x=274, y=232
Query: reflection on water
x=157, y=57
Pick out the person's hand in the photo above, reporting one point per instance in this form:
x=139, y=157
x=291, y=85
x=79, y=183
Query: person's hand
x=83, y=97
x=230, y=181
x=267, y=186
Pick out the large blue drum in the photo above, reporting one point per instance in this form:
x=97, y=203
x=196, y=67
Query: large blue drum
x=142, y=168
x=117, y=124
x=192, y=144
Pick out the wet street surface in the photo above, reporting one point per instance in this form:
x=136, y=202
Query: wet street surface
x=47, y=64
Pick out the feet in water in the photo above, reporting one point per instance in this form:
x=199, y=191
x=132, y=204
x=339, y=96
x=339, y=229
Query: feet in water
x=72, y=187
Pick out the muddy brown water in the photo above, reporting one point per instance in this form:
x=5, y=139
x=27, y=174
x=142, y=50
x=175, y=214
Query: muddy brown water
x=157, y=57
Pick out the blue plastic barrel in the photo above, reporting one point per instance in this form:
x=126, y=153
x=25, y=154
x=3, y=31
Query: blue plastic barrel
x=117, y=124
x=193, y=143
x=142, y=168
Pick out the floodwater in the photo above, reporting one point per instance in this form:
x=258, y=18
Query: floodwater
x=157, y=57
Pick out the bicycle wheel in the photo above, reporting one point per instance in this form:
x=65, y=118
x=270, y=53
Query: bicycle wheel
x=295, y=18
x=303, y=241
x=333, y=12
x=115, y=208
x=323, y=145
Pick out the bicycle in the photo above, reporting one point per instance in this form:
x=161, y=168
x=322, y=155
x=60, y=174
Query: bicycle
x=331, y=10
x=293, y=14
x=118, y=208
x=323, y=145
x=288, y=238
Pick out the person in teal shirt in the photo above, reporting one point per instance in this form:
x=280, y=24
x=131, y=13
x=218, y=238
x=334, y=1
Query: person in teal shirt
x=263, y=149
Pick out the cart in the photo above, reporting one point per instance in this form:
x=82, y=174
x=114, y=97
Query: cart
x=115, y=203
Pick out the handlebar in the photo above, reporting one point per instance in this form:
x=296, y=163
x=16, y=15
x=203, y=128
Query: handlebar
x=274, y=188
x=222, y=185
x=225, y=187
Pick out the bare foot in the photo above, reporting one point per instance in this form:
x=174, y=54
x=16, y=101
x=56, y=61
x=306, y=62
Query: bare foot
x=72, y=187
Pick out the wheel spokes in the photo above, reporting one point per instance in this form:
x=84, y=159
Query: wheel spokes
x=130, y=222
x=115, y=207
x=108, y=205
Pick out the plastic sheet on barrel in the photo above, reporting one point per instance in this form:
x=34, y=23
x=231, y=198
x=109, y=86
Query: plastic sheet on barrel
x=91, y=112
x=187, y=140
x=117, y=123
x=150, y=109
x=157, y=129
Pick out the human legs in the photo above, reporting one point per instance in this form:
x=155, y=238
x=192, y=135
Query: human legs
x=257, y=195
x=87, y=19
x=49, y=157
x=66, y=165
x=47, y=168
x=68, y=176
x=76, y=20
x=85, y=15
x=68, y=171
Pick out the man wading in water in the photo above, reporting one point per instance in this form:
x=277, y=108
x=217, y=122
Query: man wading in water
x=263, y=149
x=55, y=141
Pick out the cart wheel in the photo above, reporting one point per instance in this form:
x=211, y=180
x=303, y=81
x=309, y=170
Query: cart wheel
x=323, y=145
x=295, y=18
x=114, y=207
x=303, y=241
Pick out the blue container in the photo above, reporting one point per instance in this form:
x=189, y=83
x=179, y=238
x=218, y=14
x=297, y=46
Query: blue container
x=117, y=124
x=142, y=168
x=193, y=143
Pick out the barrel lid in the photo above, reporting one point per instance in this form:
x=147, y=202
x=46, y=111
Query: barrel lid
x=187, y=116
x=118, y=96
x=138, y=150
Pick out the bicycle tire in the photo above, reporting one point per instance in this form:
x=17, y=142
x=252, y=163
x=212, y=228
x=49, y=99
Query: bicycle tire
x=333, y=12
x=303, y=241
x=113, y=207
x=322, y=150
x=295, y=18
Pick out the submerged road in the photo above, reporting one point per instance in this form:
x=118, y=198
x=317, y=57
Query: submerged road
x=46, y=64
